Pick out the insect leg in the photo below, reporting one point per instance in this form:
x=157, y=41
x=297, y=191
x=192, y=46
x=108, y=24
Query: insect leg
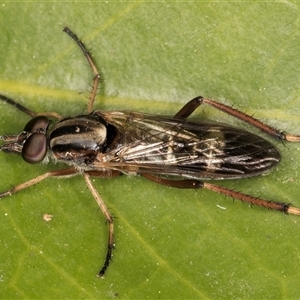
x=91, y=63
x=195, y=184
x=34, y=181
x=109, y=220
x=27, y=110
x=71, y=172
x=274, y=205
x=253, y=121
x=189, y=107
x=104, y=174
x=17, y=105
x=194, y=103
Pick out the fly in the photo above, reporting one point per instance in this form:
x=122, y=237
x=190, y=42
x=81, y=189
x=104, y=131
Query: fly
x=173, y=151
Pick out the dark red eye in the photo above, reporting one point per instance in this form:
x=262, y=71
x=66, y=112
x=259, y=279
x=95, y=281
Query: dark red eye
x=35, y=148
x=36, y=123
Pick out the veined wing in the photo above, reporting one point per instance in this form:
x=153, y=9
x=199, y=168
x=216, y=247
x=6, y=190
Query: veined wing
x=173, y=146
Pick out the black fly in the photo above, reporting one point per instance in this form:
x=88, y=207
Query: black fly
x=172, y=151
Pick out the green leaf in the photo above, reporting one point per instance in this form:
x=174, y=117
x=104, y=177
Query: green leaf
x=153, y=57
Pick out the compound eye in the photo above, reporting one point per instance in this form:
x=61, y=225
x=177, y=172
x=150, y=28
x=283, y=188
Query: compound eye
x=34, y=148
x=36, y=123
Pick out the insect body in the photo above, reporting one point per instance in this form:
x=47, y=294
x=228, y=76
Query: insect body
x=172, y=151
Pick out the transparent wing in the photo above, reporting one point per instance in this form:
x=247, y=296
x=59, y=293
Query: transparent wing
x=173, y=146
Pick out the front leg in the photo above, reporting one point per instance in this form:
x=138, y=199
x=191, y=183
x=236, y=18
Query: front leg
x=57, y=173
